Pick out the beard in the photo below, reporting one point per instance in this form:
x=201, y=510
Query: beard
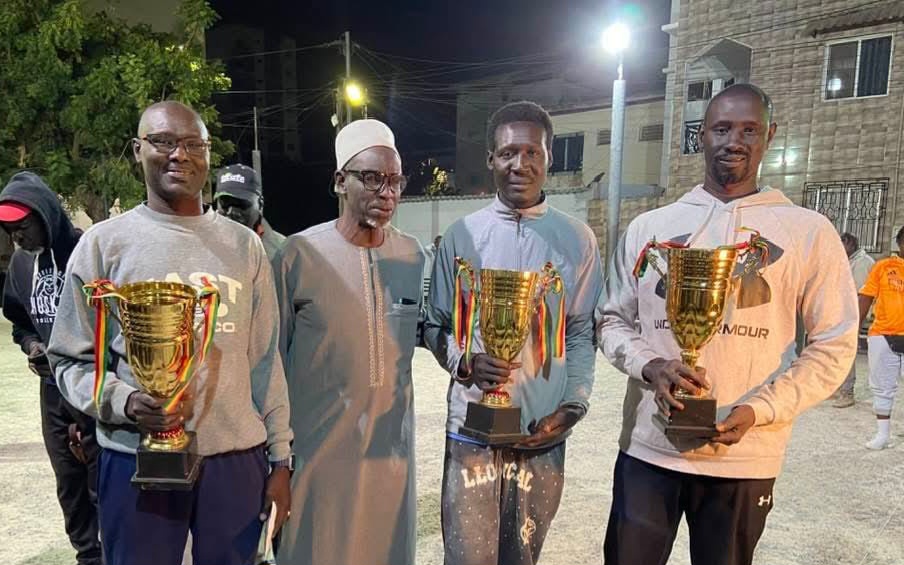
x=375, y=224
x=725, y=176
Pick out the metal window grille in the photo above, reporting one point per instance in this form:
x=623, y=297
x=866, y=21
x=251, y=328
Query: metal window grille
x=854, y=206
x=691, y=141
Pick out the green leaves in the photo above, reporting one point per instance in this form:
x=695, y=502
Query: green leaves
x=72, y=87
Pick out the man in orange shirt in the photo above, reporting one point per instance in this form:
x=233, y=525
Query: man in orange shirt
x=885, y=344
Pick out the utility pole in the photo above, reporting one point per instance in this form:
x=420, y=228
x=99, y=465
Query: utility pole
x=256, y=153
x=613, y=205
x=348, y=74
x=341, y=96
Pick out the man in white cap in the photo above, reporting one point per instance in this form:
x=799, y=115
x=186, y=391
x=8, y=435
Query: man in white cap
x=349, y=293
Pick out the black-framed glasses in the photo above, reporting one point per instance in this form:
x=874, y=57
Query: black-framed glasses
x=374, y=181
x=166, y=144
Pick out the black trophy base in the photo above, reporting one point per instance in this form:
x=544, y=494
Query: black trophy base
x=166, y=470
x=492, y=425
x=697, y=420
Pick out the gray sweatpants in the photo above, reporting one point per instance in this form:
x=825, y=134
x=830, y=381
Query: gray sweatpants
x=497, y=504
x=885, y=367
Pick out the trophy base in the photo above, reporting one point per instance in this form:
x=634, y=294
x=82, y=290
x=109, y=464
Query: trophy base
x=166, y=470
x=697, y=420
x=492, y=425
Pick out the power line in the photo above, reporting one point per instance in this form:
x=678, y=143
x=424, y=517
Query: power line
x=280, y=51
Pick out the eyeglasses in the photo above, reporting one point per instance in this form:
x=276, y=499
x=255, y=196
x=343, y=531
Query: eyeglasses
x=374, y=181
x=165, y=144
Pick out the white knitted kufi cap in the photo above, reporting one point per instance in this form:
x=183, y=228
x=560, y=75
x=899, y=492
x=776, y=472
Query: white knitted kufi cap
x=360, y=135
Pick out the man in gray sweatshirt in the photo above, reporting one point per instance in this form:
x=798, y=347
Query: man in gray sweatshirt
x=237, y=404
x=498, y=502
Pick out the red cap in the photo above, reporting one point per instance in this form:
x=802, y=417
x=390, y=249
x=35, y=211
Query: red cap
x=13, y=211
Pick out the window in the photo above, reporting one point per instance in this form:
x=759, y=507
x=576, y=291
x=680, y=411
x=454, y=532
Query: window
x=567, y=152
x=651, y=133
x=858, y=68
x=855, y=206
x=691, y=139
x=699, y=90
x=604, y=137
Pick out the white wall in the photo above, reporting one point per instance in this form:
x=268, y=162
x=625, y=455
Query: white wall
x=425, y=218
x=642, y=160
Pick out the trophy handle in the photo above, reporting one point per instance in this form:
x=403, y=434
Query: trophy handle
x=209, y=296
x=653, y=257
x=464, y=315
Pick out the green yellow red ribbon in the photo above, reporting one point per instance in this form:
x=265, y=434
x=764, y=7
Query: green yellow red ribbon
x=96, y=294
x=464, y=314
x=551, y=338
x=209, y=297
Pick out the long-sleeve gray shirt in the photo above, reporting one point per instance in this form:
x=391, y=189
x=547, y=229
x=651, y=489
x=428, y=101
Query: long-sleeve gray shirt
x=497, y=237
x=238, y=396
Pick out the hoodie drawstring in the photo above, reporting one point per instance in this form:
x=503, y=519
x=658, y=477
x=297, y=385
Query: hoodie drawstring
x=34, y=282
x=709, y=216
x=53, y=260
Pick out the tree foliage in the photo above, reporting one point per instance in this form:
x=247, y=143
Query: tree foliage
x=73, y=84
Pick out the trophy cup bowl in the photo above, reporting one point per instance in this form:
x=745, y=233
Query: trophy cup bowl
x=697, y=287
x=157, y=322
x=507, y=302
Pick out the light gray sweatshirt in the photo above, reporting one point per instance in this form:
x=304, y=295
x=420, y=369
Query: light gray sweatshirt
x=238, y=396
x=498, y=237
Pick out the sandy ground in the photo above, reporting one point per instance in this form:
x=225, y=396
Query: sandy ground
x=835, y=504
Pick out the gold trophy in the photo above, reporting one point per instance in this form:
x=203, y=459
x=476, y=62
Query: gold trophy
x=698, y=284
x=157, y=320
x=506, y=303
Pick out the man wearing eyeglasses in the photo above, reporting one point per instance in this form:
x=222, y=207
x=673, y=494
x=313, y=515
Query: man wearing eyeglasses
x=236, y=404
x=349, y=294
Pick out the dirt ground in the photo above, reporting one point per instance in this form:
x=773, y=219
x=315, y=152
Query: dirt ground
x=835, y=503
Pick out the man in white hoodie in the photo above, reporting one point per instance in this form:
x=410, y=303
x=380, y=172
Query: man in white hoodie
x=723, y=485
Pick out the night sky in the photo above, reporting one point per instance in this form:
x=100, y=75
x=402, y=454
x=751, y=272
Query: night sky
x=411, y=54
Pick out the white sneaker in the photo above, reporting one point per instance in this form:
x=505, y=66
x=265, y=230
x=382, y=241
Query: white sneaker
x=878, y=443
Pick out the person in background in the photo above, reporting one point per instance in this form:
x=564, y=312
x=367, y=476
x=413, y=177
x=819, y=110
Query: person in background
x=884, y=288
x=32, y=215
x=240, y=197
x=861, y=264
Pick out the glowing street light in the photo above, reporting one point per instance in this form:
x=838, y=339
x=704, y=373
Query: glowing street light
x=616, y=38
x=354, y=94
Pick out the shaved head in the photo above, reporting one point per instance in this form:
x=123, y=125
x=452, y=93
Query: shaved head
x=175, y=108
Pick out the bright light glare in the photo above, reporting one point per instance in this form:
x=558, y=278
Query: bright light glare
x=354, y=93
x=616, y=38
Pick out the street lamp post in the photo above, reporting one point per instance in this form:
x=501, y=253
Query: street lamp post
x=615, y=39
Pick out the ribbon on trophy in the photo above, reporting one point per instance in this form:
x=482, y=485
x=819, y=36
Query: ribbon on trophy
x=98, y=292
x=464, y=313
x=551, y=328
x=756, y=243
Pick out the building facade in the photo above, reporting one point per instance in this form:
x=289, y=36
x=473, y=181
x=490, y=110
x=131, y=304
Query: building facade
x=835, y=72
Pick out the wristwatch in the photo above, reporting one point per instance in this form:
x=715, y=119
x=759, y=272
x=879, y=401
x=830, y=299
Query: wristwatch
x=288, y=463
